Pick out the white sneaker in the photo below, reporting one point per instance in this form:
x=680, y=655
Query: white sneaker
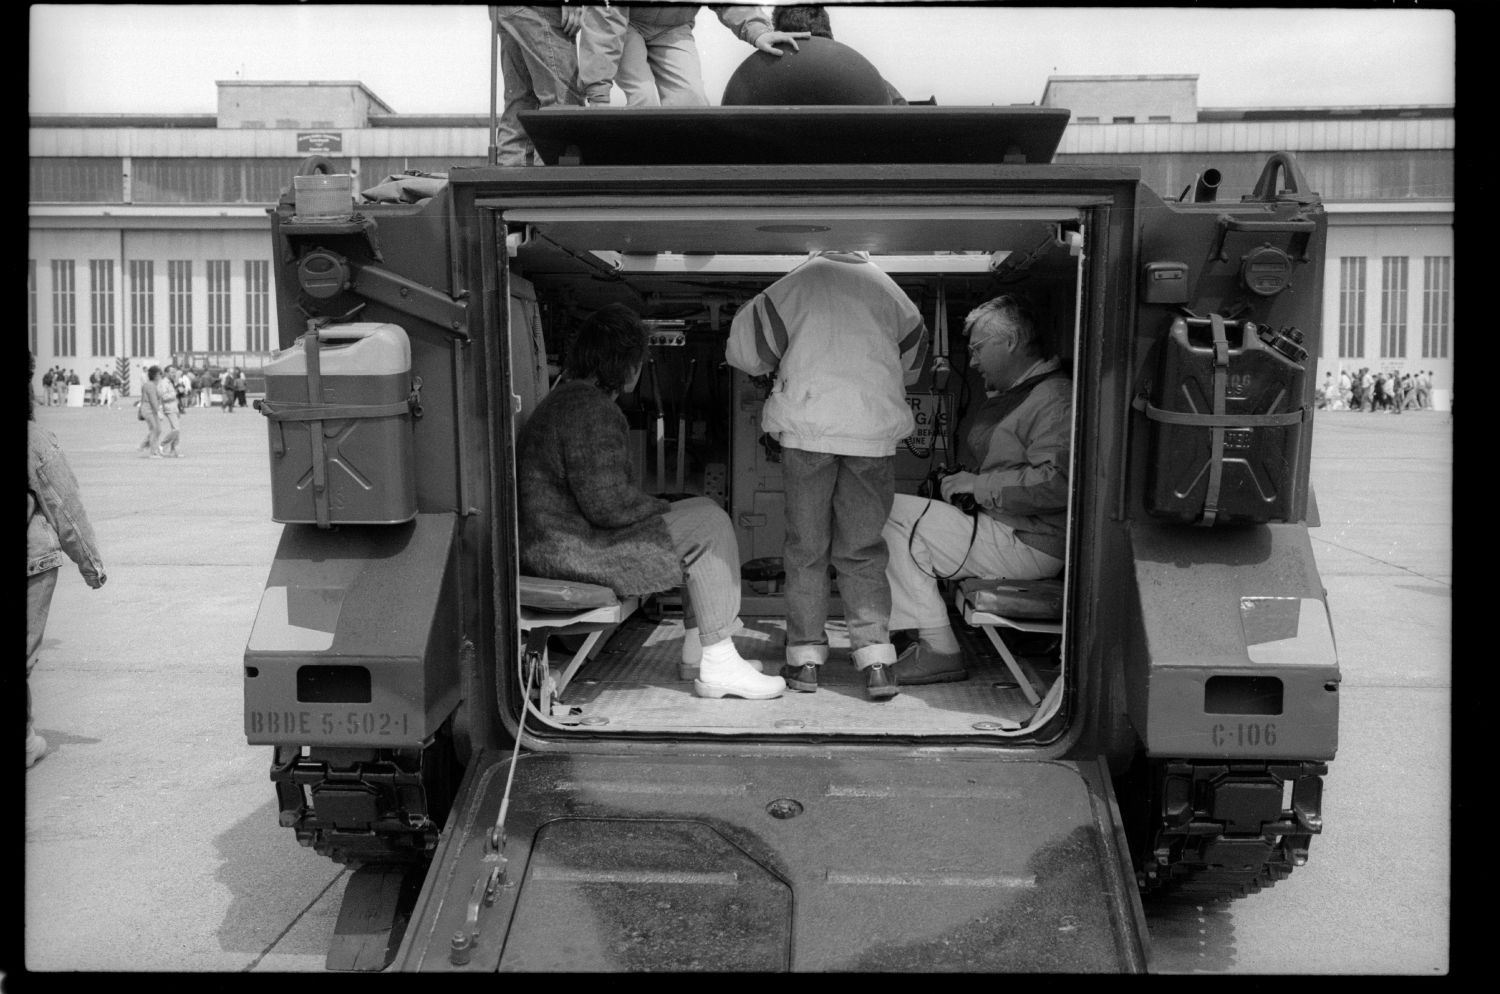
x=690, y=670
x=733, y=676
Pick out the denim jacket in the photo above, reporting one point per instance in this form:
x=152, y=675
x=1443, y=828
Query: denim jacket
x=56, y=525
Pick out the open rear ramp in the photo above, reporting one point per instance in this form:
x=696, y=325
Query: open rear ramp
x=806, y=863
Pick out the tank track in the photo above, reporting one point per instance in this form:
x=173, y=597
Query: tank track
x=1222, y=831
x=366, y=806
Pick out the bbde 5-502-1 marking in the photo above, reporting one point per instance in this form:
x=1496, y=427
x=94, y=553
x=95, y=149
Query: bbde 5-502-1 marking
x=329, y=722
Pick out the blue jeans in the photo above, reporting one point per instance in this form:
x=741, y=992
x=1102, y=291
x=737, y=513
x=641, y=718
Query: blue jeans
x=703, y=536
x=836, y=507
x=540, y=66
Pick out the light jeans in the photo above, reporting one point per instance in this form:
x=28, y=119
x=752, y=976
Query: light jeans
x=539, y=64
x=836, y=507
x=703, y=537
x=672, y=57
x=653, y=66
x=941, y=546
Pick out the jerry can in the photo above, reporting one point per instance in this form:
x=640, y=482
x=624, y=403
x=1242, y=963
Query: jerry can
x=1227, y=423
x=339, y=407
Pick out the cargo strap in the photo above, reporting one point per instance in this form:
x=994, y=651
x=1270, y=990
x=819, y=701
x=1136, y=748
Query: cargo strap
x=1155, y=413
x=297, y=411
x=1216, y=432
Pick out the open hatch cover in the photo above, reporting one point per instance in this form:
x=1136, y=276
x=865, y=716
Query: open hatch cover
x=758, y=135
x=773, y=863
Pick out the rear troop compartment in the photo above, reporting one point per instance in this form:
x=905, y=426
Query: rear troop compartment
x=696, y=424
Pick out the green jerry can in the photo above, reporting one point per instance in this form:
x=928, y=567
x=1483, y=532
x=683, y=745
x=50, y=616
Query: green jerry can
x=339, y=406
x=1228, y=423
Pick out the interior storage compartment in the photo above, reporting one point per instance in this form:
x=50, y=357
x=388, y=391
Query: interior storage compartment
x=696, y=431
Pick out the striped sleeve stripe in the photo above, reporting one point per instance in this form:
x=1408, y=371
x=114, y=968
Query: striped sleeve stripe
x=914, y=345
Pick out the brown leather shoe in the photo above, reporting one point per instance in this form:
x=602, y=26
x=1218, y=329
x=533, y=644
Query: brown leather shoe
x=801, y=678
x=880, y=682
x=918, y=665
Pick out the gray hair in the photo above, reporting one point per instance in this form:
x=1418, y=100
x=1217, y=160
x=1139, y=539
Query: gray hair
x=1029, y=338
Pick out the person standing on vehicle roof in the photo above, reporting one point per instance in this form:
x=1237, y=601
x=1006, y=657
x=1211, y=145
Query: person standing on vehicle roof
x=649, y=50
x=583, y=518
x=539, y=60
x=843, y=342
x=1018, y=440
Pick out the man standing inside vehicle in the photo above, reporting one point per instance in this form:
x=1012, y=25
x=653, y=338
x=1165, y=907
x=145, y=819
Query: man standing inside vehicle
x=843, y=341
x=1018, y=441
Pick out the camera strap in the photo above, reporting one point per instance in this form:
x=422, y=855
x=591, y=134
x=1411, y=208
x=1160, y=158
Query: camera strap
x=912, y=538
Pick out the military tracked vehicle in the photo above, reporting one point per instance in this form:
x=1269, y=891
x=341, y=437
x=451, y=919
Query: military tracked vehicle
x=512, y=765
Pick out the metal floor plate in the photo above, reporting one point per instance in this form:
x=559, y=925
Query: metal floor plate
x=632, y=685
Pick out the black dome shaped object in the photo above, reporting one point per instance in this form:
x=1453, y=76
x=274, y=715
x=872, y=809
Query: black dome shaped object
x=823, y=72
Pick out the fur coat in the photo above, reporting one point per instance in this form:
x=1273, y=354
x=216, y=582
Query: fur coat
x=581, y=515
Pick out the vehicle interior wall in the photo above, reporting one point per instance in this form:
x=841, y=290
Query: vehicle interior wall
x=708, y=417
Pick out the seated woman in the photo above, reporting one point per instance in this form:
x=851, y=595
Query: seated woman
x=583, y=518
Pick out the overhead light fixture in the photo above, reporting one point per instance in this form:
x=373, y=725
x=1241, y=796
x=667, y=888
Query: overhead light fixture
x=681, y=263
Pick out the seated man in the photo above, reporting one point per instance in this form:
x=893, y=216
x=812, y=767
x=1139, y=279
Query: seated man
x=1018, y=441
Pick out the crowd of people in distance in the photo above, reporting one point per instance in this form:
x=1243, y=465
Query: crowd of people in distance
x=1371, y=390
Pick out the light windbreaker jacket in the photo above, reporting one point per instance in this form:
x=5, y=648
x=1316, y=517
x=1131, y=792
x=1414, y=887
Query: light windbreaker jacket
x=1018, y=443
x=57, y=529
x=844, y=342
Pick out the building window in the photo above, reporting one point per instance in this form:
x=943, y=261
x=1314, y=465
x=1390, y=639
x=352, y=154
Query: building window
x=64, y=309
x=1088, y=120
x=214, y=181
x=1124, y=120
x=1437, y=301
x=179, y=305
x=102, y=306
x=218, y=305
x=142, y=308
x=31, y=304
x=257, y=305
x=1160, y=119
x=1393, y=269
x=1351, y=307
x=74, y=180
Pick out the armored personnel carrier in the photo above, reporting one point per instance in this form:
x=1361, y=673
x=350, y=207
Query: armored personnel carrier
x=512, y=763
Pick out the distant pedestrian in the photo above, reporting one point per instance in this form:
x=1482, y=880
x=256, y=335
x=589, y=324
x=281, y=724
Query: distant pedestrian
x=226, y=391
x=57, y=528
x=150, y=408
x=171, y=417
x=46, y=387
x=205, y=382
x=239, y=386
